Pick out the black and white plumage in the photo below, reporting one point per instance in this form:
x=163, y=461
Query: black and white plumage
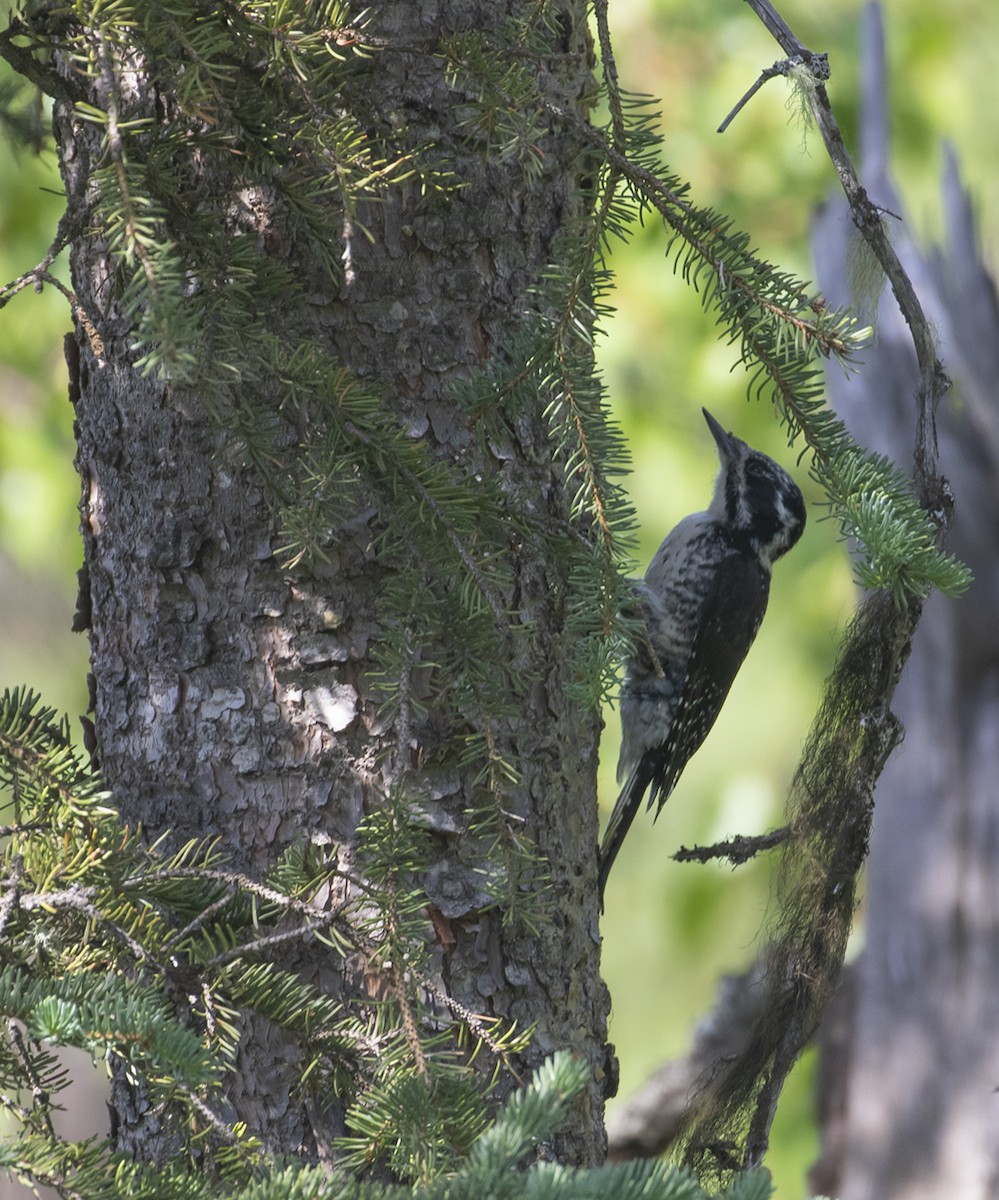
x=702, y=601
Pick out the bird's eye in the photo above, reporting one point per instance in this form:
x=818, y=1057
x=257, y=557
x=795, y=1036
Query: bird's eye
x=756, y=468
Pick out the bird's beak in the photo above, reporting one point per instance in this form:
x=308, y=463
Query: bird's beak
x=727, y=443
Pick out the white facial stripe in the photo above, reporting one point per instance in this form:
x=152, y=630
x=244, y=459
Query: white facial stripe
x=743, y=513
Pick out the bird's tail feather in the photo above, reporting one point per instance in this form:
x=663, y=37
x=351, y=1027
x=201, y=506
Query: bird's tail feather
x=628, y=804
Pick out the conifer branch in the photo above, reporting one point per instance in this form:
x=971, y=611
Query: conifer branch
x=608, y=63
x=798, y=328
x=134, y=238
x=40, y=1108
x=409, y=1029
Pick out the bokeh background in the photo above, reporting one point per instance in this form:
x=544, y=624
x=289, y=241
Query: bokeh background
x=670, y=930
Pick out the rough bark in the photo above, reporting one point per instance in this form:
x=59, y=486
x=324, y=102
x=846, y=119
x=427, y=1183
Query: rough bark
x=915, y=1061
x=232, y=697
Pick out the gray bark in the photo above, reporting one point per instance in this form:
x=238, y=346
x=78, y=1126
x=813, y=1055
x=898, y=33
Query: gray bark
x=231, y=697
x=916, y=1058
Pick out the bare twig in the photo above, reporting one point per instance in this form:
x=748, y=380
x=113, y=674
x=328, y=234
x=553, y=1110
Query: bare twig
x=69, y=225
x=49, y=81
x=783, y=67
x=299, y=934
x=15, y=1109
x=81, y=314
x=12, y=892
x=222, y=1128
x=779, y=68
x=738, y=850
x=812, y=70
x=199, y=920
x=781, y=32
x=82, y=900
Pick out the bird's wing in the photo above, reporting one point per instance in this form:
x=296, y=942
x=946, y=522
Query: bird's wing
x=730, y=616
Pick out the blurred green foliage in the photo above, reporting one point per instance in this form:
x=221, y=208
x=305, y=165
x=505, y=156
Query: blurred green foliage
x=670, y=930
x=39, y=488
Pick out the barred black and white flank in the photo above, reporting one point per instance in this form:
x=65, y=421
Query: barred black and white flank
x=702, y=600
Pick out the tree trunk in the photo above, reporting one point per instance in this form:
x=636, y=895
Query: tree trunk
x=233, y=697
x=916, y=1058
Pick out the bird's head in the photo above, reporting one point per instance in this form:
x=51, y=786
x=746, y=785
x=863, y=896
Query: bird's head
x=755, y=499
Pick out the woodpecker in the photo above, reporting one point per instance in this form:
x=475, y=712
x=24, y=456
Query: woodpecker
x=701, y=602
